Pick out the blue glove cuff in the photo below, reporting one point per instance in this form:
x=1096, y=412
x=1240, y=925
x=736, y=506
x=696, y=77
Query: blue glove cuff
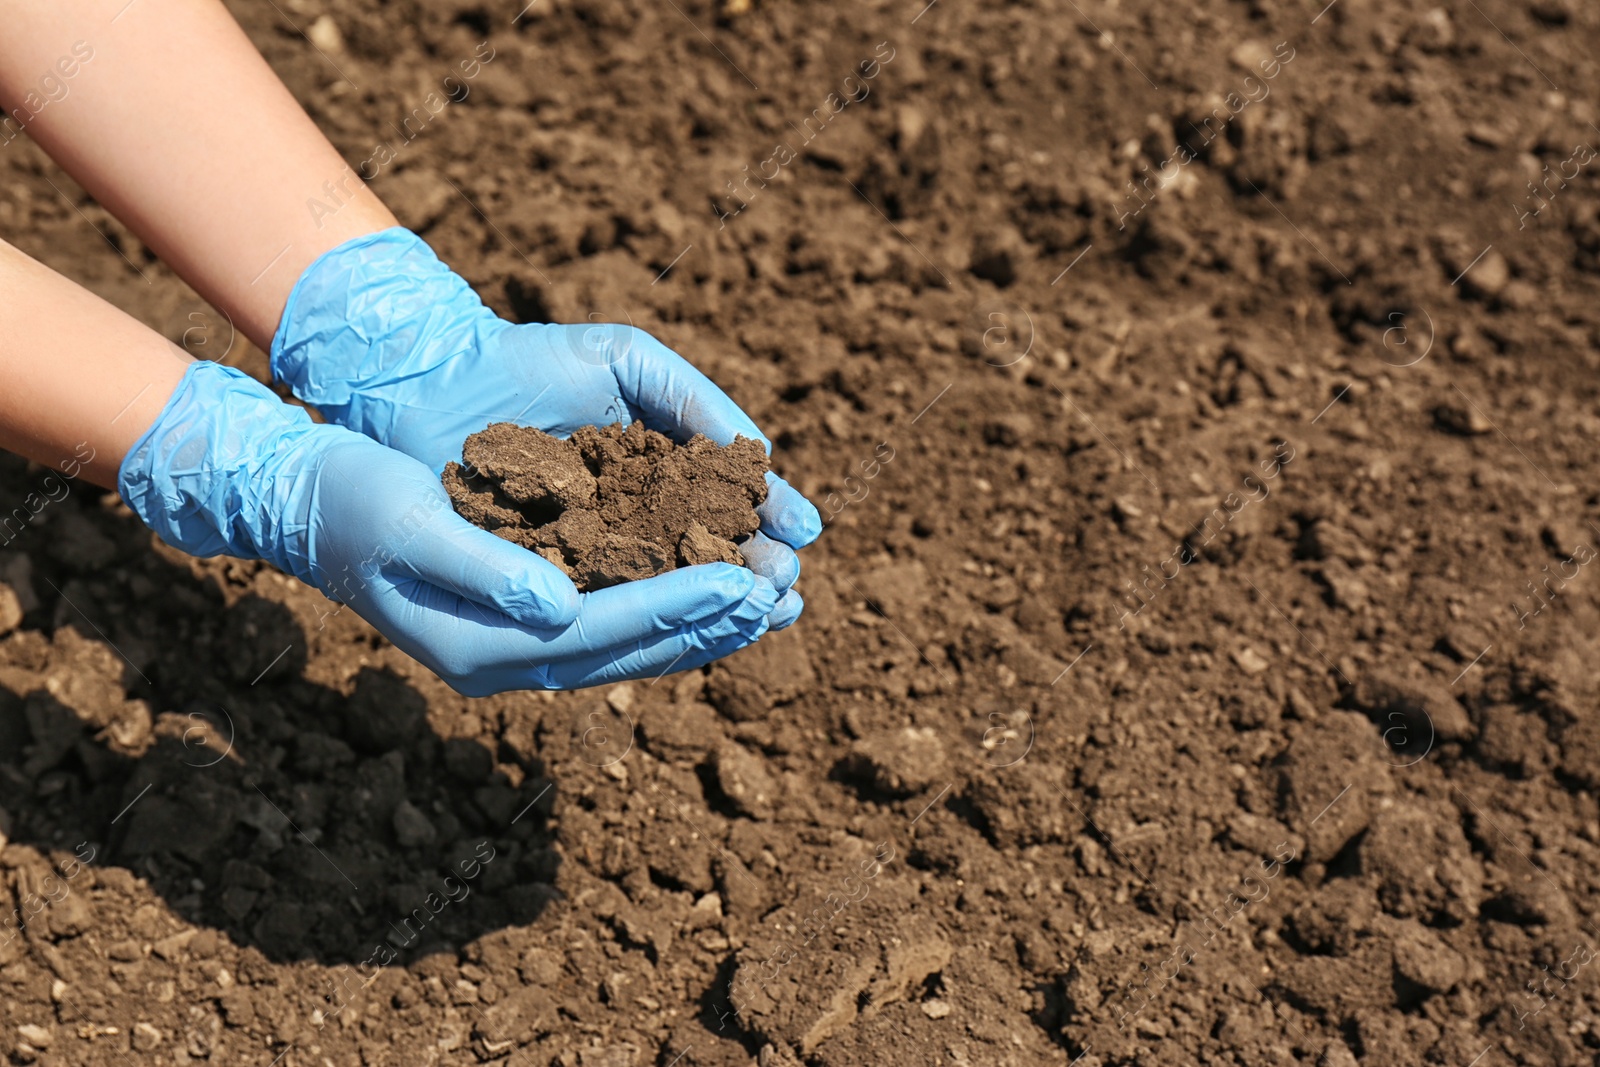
x=221, y=470
x=374, y=311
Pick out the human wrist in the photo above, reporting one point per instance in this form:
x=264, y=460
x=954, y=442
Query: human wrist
x=224, y=469
x=377, y=309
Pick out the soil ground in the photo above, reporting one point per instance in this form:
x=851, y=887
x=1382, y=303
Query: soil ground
x=1199, y=663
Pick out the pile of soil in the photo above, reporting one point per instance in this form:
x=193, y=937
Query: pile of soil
x=611, y=504
x=1198, y=668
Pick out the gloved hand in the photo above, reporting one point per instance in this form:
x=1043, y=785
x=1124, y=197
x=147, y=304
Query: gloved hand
x=384, y=339
x=228, y=467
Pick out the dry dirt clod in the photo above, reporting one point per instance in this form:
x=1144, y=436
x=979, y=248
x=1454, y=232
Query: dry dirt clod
x=746, y=782
x=1421, y=958
x=37, y=1036
x=1465, y=422
x=412, y=828
x=610, y=505
x=1487, y=276
x=324, y=33
x=10, y=609
x=899, y=762
x=1250, y=661
x=145, y=1037
x=1410, y=709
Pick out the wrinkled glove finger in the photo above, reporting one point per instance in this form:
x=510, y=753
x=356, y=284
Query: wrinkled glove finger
x=669, y=654
x=773, y=560
x=726, y=647
x=456, y=638
x=787, y=516
x=447, y=551
x=675, y=398
x=479, y=651
x=626, y=614
x=658, y=654
x=787, y=611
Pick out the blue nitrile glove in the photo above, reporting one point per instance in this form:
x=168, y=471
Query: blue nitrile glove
x=383, y=338
x=230, y=468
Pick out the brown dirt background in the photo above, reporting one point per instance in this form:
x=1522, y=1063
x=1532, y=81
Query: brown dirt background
x=1337, y=699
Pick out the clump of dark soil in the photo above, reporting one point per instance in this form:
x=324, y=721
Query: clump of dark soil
x=611, y=505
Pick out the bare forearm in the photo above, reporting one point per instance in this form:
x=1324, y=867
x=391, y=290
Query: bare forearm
x=81, y=380
x=178, y=126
